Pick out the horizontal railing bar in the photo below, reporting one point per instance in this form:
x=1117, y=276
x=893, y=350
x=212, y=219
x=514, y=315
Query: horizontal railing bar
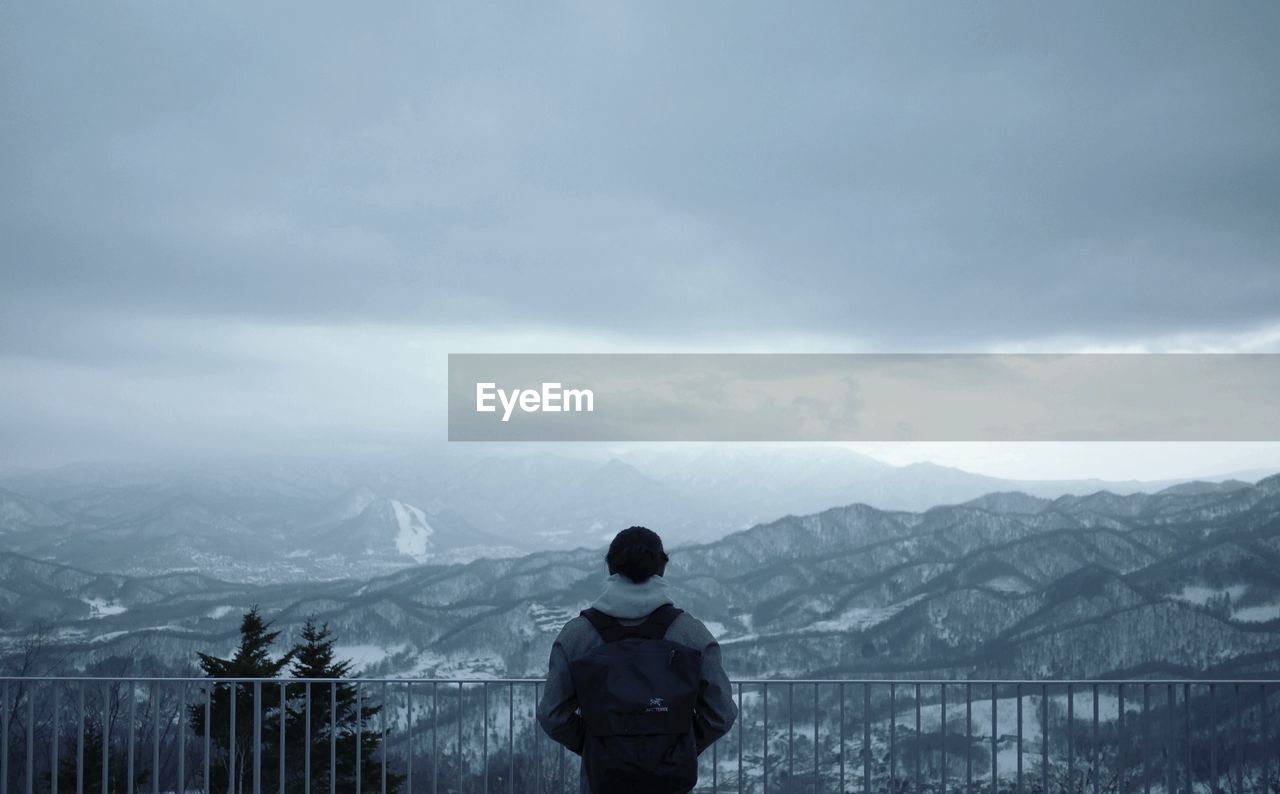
x=1002, y=681
x=748, y=681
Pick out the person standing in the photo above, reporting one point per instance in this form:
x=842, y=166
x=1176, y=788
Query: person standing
x=634, y=685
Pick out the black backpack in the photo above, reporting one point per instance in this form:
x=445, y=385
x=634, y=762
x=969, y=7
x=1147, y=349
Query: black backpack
x=637, y=694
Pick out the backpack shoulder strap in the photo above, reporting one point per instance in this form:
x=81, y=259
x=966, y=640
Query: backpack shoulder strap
x=607, y=626
x=654, y=626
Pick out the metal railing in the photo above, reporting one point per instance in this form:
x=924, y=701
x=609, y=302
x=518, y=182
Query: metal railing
x=397, y=736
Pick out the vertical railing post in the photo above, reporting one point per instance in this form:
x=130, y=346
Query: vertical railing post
x=1071, y=739
x=4, y=738
x=1186, y=723
x=484, y=743
x=181, y=785
x=740, y=727
x=511, y=738
x=1097, y=768
x=1239, y=738
x=995, y=742
x=435, y=743
x=1044, y=738
x=257, y=737
x=29, y=783
x=80, y=741
x=841, y=736
x=893, y=731
x=1171, y=729
x=106, y=737
x=306, y=738
x=915, y=780
x=866, y=738
x=943, y=697
x=359, y=783
x=537, y=738
x=408, y=735
x=333, y=737
x=1276, y=744
x=765, y=757
x=1146, y=738
x=791, y=734
x=1266, y=735
x=284, y=714
x=155, y=737
x=1017, y=693
x=1213, y=738
x=208, y=732
x=133, y=733
x=817, y=769
x=462, y=755
x=53, y=739
x=1122, y=777
x=968, y=738
x=233, y=779
x=383, y=744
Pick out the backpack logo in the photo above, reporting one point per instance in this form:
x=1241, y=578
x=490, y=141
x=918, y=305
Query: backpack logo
x=656, y=704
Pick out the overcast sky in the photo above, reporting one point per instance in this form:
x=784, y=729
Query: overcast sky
x=240, y=229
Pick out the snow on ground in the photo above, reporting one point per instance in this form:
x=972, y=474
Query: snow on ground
x=219, y=612
x=428, y=664
x=363, y=657
x=102, y=608
x=111, y=635
x=549, y=618
x=1200, y=595
x=1007, y=709
x=1258, y=614
x=860, y=618
x=414, y=535
x=1007, y=584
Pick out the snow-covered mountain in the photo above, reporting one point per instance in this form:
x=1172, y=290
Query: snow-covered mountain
x=1178, y=582
x=19, y=513
x=366, y=531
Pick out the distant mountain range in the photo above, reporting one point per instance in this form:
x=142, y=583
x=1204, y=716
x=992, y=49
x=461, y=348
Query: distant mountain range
x=281, y=522
x=1182, y=581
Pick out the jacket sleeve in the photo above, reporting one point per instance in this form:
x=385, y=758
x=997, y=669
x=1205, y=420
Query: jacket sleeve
x=558, y=708
x=715, y=713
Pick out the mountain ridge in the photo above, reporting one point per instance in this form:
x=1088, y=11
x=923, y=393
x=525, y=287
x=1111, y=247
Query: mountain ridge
x=956, y=591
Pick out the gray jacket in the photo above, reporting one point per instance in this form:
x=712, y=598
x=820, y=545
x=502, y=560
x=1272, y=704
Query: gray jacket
x=630, y=602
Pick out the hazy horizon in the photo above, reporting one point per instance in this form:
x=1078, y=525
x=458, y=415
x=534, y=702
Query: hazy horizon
x=1029, y=461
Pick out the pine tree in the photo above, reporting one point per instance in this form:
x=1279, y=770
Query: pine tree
x=252, y=659
x=314, y=658
x=117, y=764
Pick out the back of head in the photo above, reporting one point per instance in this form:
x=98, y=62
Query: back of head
x=637, y=553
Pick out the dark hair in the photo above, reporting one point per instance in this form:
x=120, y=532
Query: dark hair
x=637, y=554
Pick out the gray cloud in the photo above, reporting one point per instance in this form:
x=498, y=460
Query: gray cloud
x=905, y=175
